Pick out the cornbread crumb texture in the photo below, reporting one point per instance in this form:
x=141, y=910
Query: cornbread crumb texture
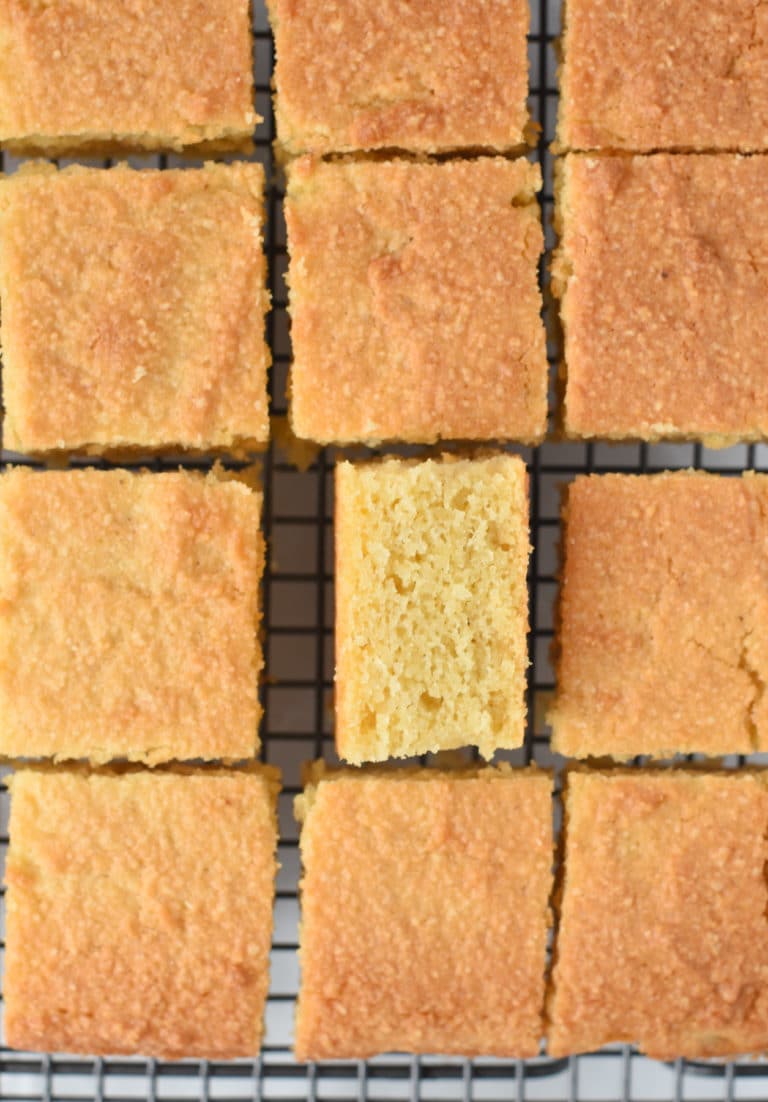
x=424, y=913
x=133, y=307
x=129, y=606
x=378, y=74
x=431, y=606
x=662, y=645
x=691, y=75
x=662, y=276
x=140, y=912
x=414, y=301
x=144, y=73
x=662, y=929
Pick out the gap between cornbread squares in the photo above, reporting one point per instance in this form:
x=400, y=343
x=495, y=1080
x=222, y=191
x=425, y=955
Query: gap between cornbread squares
x=139, y=910
x=431, y=605
x=129, y=615
x=414, y=301
x=106, y=76
x=661, y=641
x=133, y=309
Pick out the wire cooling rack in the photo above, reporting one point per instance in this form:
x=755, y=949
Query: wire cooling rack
x=298, y=612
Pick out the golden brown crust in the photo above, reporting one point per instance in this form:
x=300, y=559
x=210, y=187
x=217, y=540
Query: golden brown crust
x=415, y=308
x=129, y=606
x=133, y=308
x=662, y=647
x=359, y=74
x=424, y=912
x=139, y=912
x=146, y=74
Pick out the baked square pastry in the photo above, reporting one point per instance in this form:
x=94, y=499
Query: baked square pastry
x=139, y=911
x=133, y=308
x=661, y=940
x=380, y=74
x=690, y=75
x=414, y=300
x=662, y=284
x=129, y=612
x=431, y=606
x=95, y=75
x=424, y=911
x=662, y=644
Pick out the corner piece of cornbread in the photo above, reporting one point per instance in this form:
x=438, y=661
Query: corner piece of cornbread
x=662, y=644
x=414, y=301
x=691, y=75
x=129, y=611
x=139, y=911
x=96, y=75
x=379, y=74
x=431, y=606
x=662, y=277
x=424, y=911
x=662, y=933
x=133, y=309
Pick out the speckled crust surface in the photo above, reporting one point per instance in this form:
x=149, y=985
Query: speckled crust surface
x=662, y=276
x=140, y=912
x=431, y=606
x=663, y=918
x=424, y=912
x=129, y=607
x=414, y=301
x=379, y=74
x=691, y=75
x=133, y=308
x=662, y=642
x=142, y=73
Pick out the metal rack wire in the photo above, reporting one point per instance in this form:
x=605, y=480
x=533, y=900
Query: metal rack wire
x=298, y=612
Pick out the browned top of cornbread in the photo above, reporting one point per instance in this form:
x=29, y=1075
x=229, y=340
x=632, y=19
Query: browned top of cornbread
x=133, y=308
x=664, y=606
x=140, y=912
x=379, y=74
x=661, y=940
x=425, y=912
x=663, y=278
x=414, y=301
x=129, y=606
x=647, y=74
x=143, y=73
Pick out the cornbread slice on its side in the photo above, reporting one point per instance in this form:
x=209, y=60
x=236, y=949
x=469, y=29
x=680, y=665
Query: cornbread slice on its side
x=414, y=300
x=662, y=273
x=380, y=74
x=95, y=75
x=133, y=308
x=424, y=912
x=140, y=911
x=431, y=606
x=662, y=645
x=662, y=934
x=129, y=610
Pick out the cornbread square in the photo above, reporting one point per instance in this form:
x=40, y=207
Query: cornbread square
x=662, y=282
x=431, y=606
x=139, y=911
x=129, y=611
x=94, y=75
x=380, y=74
x=133, y=308
x=424, y=912
x=414, y=300
x=661, y=940
x=690, y=75
x=663, y=611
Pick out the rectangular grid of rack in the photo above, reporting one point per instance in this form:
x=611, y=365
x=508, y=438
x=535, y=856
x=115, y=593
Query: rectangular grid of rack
x=298, y=612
